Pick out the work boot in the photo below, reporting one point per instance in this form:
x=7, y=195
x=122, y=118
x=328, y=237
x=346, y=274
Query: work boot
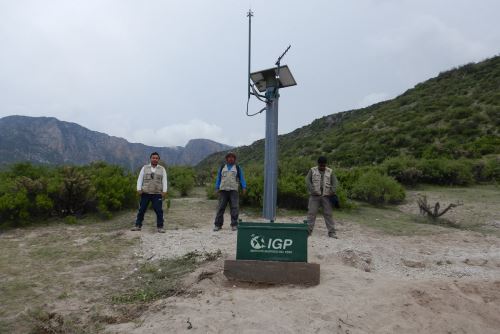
x=332, y=235
x=161, y=230
x=234, y=228
x=217, y=228
x=136, y=228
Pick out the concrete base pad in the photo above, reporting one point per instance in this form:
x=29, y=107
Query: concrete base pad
x=272, y=272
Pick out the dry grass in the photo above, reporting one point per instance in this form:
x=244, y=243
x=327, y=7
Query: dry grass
x=45, y=269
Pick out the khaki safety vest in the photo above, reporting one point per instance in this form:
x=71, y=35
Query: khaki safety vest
x=150, y=184
x=317, y=185
x=229, y=179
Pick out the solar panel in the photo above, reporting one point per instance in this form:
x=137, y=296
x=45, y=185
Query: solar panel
x=267, y=78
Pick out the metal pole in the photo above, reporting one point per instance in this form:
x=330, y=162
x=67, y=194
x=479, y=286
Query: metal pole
x=249, y=15
x=271, y=155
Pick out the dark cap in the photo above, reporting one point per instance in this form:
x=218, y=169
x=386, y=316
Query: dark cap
x=231, y=154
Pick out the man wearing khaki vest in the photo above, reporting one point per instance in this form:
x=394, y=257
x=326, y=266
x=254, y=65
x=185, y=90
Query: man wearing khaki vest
x=152, y=186
x=321, y=184
x=229, y=178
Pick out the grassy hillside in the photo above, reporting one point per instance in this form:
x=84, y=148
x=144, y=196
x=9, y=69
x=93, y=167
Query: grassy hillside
x=455, y=115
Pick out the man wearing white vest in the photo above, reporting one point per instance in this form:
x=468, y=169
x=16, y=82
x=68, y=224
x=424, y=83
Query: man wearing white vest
x=229, y=177
x=321, y=184
x=152, y=186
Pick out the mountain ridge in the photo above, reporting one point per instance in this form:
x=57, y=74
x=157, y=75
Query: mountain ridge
x=47, y=140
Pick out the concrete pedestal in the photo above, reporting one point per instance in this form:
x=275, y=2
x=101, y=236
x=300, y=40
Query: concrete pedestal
x=273, y=272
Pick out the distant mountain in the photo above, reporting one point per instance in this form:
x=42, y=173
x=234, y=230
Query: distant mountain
x=48, y=140
x=455, y=115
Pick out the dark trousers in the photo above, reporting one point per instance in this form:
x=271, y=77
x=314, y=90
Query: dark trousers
x=231, y=197
x=157, y=201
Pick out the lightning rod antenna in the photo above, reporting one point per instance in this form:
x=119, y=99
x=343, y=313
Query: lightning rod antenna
x=249, y=15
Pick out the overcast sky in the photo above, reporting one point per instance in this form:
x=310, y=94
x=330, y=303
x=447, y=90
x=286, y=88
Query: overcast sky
x=163, y=72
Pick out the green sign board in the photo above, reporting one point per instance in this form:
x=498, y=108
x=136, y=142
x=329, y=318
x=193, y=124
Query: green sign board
x=272, y=242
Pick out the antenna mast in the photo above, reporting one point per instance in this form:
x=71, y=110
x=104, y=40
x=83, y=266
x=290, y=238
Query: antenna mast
x=249, y=15
x=268, y=81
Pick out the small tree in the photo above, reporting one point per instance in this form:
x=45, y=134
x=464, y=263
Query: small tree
x=75, y=191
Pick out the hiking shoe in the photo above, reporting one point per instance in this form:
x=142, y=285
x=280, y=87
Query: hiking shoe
x=333, y=235
x=161, y=230
x=217, y=228
x=234, y=228
x=136, y=228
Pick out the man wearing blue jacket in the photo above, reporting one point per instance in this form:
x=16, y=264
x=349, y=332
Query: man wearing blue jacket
x=229, y=178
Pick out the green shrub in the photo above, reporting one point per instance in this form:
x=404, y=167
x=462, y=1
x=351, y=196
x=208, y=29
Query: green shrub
x=182, y=179
x=446, y=172
x=492, y=169
x=344, y=201
x=404, y=169
x=114, y=188
x=210, y=190
x=28, y=191
x=44, y=205
x=14, y=206
x=375, y=188
x=70, y=220
x=292, y=191
x=255, y=189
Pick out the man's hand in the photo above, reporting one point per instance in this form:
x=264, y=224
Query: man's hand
x=163, y=195
x=244, y=191
x=139, y=192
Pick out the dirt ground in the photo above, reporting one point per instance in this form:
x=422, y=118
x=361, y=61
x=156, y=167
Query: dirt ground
x=439, y=280
x=389, y=272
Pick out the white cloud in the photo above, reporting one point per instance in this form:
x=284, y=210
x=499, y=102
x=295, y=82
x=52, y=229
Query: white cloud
x=372, y=98
x=179, y=134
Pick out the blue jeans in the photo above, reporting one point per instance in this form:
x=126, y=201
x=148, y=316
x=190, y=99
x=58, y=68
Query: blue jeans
x=157, y=202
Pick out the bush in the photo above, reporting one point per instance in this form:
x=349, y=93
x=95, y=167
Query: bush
x=487, y=169
x=404, y=169
x=28, y=191
x=43, y=205
x=255, y=189
x=446, y=172
x=344, y=201
x=292, y=192
x=14, y=207
x=113, y=188
x=375, y=188
x=181, y=179
x=492, y=169
x=347, y=178
x=210, y=190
